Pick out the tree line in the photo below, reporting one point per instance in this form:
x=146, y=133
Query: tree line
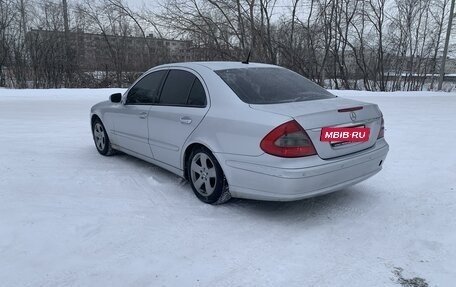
x=376, y=45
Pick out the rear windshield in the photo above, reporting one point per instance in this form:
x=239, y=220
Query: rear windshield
x=271, y=86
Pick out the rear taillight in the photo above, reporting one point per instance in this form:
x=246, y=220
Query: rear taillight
x=288, y=140
x=381, y=133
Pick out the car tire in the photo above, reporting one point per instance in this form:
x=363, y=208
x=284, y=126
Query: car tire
x=206, y=177
x=101, y=139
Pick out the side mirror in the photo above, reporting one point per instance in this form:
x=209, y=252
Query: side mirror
x=115, y=98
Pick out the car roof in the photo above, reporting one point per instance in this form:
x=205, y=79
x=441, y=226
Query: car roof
x=217, y=65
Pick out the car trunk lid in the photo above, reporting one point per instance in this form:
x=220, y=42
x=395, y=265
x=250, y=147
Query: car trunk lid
x=335, y=112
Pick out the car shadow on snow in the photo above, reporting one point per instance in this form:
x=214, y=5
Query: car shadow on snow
x=350, y=201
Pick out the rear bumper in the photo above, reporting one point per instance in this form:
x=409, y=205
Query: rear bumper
x=271, y=178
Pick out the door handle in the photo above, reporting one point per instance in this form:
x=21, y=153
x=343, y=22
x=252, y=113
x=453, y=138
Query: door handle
x=143, y=115
x=186, y=120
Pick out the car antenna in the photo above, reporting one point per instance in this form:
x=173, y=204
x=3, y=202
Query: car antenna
x=248, y=58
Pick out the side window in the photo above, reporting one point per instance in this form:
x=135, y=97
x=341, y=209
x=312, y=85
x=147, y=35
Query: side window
x=197, y=97
x=177, y=88
x=147, y=89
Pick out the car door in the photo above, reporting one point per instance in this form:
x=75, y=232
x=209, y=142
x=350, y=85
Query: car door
x=182, y=105
x=131, y=122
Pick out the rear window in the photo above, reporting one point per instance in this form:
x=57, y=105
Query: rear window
x=177, y=87
x=271, y=86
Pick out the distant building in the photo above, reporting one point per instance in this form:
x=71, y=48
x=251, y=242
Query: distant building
x=450, y=65
x=100, y=52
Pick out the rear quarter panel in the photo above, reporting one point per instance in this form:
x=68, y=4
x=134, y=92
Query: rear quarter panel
x=231, y=126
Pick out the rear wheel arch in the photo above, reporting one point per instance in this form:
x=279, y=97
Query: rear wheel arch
x=188, y=152
x=218, y=193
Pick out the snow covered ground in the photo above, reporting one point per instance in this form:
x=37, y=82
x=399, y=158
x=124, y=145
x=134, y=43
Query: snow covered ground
x=71, y=217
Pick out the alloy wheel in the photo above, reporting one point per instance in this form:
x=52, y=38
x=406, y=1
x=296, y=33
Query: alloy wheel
x=99, y=135
x=203, y=174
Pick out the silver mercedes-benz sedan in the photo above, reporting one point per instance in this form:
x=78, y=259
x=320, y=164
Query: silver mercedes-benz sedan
x=243, y=130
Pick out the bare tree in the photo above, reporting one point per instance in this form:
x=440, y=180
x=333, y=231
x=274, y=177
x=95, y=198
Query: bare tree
x=447, y=40
x=439, y=15
x=350, y=44
x=7, y=16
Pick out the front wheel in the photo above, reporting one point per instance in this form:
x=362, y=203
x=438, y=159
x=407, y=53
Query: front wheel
x=101, y=139
x=206, y=177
